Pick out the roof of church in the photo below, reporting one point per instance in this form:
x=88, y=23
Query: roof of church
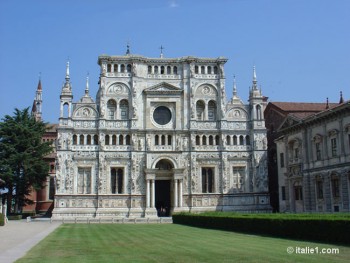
x=302, y=109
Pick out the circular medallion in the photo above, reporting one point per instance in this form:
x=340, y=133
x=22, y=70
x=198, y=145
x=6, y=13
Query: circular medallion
x=162, y=115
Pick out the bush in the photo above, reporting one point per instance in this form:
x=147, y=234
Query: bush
x=2, y=220
x=14, y=217
x=327, y=228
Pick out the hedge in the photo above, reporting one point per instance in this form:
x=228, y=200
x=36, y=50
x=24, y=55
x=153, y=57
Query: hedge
x=2, y=220
x=312, y=228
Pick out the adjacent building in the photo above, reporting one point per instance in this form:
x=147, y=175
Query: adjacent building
x=160, y=137
x=43, y=199
x=313, y=158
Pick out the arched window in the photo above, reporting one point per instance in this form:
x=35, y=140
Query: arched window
x=200, y=106
x=211, y=142
x=65, y=110
x=88, y=140
x=75, y=139
x=121, y=139
x=81, y=139
x=204, y=140
x=217, y=140
x=202, y=69
x=162, y=70
x=175, y=70
x=163, y=139
x=124, y=109
x=128, y=68
x=127, y=139
x=114, y=140
x=109, y=67
x=155, y=69
x=258, y=112
x=234, y=140
x=169, y=139
x=122, y=68
x=149, y=69
x=198, y=140
x=115, y=68
x=196, y=69
x=211, y=111
x=107, y=139
x=228, y=140
x=215, y=70
x=209, y=69
x=111, y=107
x=168, y=70
x=241, y=140
x=156, y=140
x=164, y=165
x=96, y=139
x=247, y=140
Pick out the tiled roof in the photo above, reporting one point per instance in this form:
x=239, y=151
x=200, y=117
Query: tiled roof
x=302, y=106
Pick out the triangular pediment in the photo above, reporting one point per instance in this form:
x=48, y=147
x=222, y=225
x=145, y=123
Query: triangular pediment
x=163, y=88
x=289, y=121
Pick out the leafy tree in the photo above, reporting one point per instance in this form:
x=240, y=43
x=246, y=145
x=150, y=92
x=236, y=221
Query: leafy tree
x=22, y=166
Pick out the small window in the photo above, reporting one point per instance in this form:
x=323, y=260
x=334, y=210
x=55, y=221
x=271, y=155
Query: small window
x=335, y=187
x=207, y=180
x=283, y=192
x=168, y=70
x=334, y=147
x=282, y=160
x=114, y=140
x=228, y=140
x=109, y=68
x=319, y=189
x=298, y=192
x=149, y=69
x=169, y=139
x=198, y=140
x=318, y=151
x=156, y=140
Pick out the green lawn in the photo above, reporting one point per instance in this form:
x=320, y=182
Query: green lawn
x=168, y=243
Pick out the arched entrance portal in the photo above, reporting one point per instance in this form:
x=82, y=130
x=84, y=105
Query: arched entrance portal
x=164, y=174
x=163, y=188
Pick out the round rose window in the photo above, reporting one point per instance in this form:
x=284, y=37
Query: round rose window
x=162, y=115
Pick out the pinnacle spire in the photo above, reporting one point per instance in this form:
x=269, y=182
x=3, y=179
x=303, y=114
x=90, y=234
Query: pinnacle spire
x=67, y=71
x=341, y=100
x=39, y=83
x=327, y=104
x=161, y=51
x=87, y=85
x=255, y=87
x=234, y=86
x=127, y=49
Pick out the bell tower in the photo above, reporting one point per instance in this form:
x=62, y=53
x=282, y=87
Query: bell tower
x=66, y=97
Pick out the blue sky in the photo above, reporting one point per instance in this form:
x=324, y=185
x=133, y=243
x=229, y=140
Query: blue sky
x=301, y=48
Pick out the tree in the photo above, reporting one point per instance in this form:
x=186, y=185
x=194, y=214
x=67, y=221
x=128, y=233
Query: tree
x=22, y=166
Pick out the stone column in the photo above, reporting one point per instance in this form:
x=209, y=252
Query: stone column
x=147, y=195
x=153, y=194
x=180, y=193
x=175, y=193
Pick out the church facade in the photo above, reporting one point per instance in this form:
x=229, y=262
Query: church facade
x=161, y=137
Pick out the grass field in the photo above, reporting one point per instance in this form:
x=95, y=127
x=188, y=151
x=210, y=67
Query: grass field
x=169, y=243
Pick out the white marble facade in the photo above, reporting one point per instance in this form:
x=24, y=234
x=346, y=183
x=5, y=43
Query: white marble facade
x=161, y=137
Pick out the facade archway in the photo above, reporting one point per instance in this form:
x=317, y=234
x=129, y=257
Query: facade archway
x=163, y=187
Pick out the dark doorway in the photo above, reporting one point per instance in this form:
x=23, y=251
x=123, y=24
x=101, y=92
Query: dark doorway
x=162, y=192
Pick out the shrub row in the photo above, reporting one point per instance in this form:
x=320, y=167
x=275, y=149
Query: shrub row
x=331, y=230
x=2, y=220
x=14, y=217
